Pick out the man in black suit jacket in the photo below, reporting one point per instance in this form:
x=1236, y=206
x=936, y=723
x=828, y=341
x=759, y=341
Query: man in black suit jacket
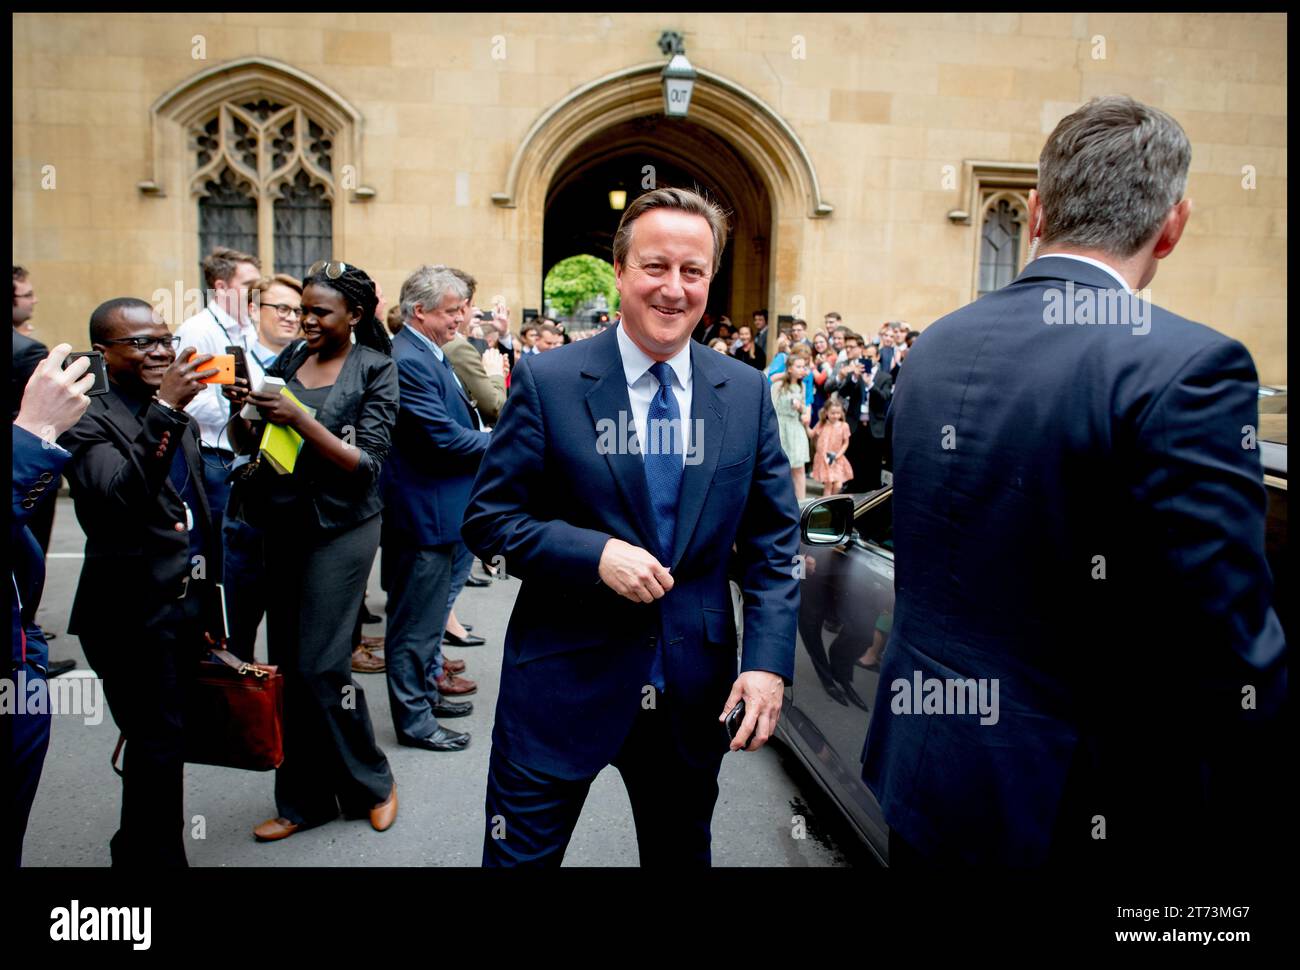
x=142, y=604
x=1083, y=633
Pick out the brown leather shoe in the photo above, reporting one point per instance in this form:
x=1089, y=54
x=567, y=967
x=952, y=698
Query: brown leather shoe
x=275, y=828
x=383, y=815
x=455, y=686
x=366, y=662
x=374, y=643
x=453, y=666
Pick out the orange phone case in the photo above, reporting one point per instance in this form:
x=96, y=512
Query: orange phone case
x=226, y=369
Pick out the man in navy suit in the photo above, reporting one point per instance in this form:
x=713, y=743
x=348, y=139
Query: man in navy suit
x=437, y=447
x=1083, y=633
x=629, y=475
x=54, y=400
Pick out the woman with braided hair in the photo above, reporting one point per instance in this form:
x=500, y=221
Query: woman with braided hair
x=322, y=532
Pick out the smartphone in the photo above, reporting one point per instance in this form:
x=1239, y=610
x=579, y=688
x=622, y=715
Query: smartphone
x=270, y=385
x=733, y=722
x=225, y=365
x=241, y=362
x=486, y=315
x=97, y=369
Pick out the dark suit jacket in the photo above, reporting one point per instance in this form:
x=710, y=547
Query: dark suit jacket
x=551, y=492
x=1086, y=530
x=361, y=407
x=878, y=398
x=27, y=354
x=136, y=564
x=437, y=448
x=850, y=392
x=36, y=469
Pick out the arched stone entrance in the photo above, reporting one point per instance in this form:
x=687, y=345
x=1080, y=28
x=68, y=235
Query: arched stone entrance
x=769, y=181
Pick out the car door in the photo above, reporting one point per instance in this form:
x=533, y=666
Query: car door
x=845, y=616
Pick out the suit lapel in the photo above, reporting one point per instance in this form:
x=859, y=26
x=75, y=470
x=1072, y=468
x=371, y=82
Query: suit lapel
x=607, y=400
x=708, y=427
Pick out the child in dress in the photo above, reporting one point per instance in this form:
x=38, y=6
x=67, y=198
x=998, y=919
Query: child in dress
x=789, y=398
x=830, y=467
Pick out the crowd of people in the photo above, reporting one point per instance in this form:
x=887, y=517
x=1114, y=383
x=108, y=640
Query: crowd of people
x=178, y=502
x=831, y=391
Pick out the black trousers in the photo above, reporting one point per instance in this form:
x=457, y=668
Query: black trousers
x=145, y=678
x=331, y=760
x=866, y=454
x=530, y=816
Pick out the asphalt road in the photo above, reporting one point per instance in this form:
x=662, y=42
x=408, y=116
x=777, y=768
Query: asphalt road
x=440, y=820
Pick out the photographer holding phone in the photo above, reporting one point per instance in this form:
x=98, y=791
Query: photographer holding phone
x=143, y=601
x=321, y=528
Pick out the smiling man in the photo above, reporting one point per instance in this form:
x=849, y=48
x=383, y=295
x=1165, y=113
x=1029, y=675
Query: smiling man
x=639, y=667
x=143, y=600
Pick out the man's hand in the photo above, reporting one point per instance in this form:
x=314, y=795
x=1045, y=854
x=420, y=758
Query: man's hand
x=633, y=573
x=55, y=399
x=492, y=363
x=183, y=380
x=763, y=693
x=236, y=393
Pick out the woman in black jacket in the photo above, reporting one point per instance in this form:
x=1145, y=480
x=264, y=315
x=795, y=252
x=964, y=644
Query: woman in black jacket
x=322, y=531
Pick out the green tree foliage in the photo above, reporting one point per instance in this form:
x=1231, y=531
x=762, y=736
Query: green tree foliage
x=578, y=279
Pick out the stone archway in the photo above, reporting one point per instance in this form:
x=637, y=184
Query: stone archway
x=757, y=135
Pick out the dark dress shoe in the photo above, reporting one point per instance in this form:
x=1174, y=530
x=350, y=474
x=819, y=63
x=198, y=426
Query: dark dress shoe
x=451, y=640
x=367, y=617
x=446, y=708
x=440, y=740
x=57, y=667
x=477, y=583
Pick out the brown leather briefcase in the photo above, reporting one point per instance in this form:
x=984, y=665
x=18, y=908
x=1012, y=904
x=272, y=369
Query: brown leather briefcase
x=234, y=714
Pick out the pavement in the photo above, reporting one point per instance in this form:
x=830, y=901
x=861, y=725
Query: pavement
x=440, y=816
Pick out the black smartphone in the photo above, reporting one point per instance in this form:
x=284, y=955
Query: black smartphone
x=486, y=315
x=241, y=362
x=97, y=368
x=734, y=719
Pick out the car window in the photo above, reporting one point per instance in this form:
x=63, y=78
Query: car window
x=874, y=523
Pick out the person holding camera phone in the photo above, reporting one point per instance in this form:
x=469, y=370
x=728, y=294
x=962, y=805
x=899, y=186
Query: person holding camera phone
x=321, y=528
x=145, y=599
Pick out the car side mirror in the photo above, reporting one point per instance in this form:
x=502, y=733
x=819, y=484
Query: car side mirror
x=828, y=521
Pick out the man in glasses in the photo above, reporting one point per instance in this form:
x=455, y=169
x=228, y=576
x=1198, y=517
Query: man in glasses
x=143, y=601
x=230, y=276
x=276, y=305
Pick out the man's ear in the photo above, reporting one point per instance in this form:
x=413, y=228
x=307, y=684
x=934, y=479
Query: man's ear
x=1035, y=214
x=1172, y=229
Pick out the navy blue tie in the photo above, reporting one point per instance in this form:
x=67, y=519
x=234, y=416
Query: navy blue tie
x=664, y=449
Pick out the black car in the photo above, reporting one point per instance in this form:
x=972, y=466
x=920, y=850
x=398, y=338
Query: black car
x=846, y=615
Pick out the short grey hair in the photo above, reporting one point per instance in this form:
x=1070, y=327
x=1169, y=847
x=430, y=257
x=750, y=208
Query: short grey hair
x=1109, y=174
x=428, y=286
x=684, y=200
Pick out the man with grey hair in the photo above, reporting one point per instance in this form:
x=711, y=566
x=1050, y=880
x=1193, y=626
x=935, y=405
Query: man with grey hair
x=1083, y=534
x=437, y=446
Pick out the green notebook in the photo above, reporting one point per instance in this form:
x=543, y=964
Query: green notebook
x=280, y=443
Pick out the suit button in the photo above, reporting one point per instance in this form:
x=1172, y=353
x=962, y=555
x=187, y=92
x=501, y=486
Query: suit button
x=38, y=488
x=46, y=477
x=29, y=503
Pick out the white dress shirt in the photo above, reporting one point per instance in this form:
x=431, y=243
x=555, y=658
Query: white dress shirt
x=1093, y=262
x=642, y=386
x=211, y=331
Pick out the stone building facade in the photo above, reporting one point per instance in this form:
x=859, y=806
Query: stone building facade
x=875, y=164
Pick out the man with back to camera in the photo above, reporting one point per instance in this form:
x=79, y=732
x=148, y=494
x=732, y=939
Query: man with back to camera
x=144, y=599
x=639, y=666
x=1083, y=533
